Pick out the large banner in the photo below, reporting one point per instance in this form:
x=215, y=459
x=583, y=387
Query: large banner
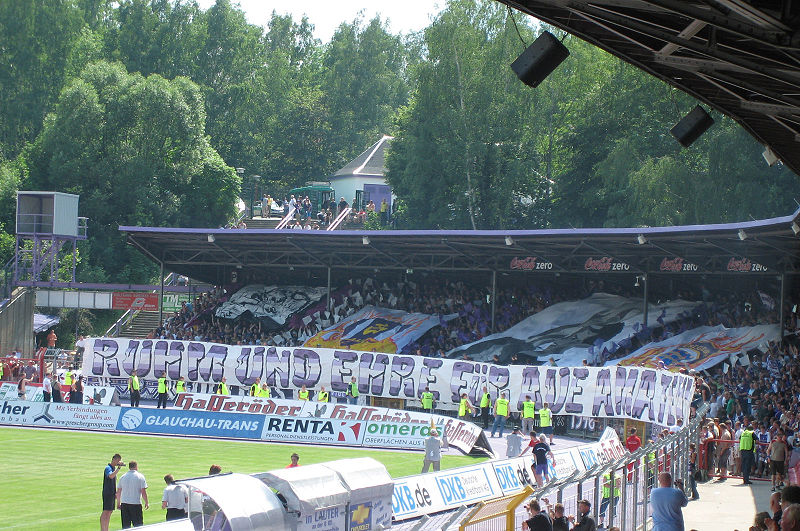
x=381, y=427
x=702, y=348
x=641, y=394
x=374, y=329
x=272, y=302
x=575, y=330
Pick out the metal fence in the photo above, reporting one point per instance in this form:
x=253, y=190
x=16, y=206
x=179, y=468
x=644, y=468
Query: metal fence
x=496, y=514
x=619, y=491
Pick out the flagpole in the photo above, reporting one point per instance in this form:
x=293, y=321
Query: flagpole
x=644, y=279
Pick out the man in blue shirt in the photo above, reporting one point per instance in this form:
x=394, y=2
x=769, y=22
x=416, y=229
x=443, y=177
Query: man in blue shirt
x=667, y=502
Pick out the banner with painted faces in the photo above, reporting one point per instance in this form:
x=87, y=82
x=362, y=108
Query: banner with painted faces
x=630, y=392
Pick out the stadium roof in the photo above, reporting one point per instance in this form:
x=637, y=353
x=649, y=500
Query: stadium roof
x=752, y=247
x=741, y=57
x=371, y=162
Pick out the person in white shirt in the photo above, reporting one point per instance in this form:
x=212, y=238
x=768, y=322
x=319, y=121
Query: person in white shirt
x=175, y=499
x=47, y=388
x=131, y=490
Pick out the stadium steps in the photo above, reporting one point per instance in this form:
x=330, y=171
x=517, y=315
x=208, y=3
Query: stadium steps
x=141, y=325
x=261, y=223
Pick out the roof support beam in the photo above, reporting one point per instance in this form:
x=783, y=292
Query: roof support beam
x=389, y=256
x=687, y=33
x=775, y=37
x=307, y=252
x=692, y=64
x=666, y=36
x=478, y=264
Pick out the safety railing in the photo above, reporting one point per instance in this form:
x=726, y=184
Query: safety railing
x=712, y=454
x=287, y=218
x=618, y=491
x=340, y=219
x=131, y=314
x=495, y=514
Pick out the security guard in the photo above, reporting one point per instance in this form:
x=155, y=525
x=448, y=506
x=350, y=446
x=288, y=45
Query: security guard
x=500, y=414
x=303, y=394
x=464, y=407
x=607, y=494
x=68, y=377
x=264, y=392
x=180, y=385
x=352, y=391
x=222, y=387
x=323, y=395
x=747, y=451
x=486, y=401
x=427, y=400
x=528, y=414
x=162, y=391
x=133, y=387
x=546, y=421
x=255, y=389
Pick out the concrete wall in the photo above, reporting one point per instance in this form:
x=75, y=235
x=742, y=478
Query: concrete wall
x=16, y=323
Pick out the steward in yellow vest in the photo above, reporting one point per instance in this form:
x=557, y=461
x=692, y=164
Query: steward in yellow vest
x=323, y=395
x=427, y=400
x=464, y=406
x=303, y=394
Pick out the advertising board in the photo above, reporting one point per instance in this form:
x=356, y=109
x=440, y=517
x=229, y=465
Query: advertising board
x=19, y=411
x=87, y=417
x=430, y=493
x=167, y=421
x=129, y=300
x=381, y=427
x=33, y=392
x=312, y=430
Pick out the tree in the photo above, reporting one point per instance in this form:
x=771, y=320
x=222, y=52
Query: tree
x=466, y=154
x=35, y=39
x=112, y=131
x=363, y=80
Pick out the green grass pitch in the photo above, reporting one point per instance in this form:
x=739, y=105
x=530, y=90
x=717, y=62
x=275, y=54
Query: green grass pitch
x=52, y=478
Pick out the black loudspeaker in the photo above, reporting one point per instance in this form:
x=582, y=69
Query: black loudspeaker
x=539, y=59
x=691, y=126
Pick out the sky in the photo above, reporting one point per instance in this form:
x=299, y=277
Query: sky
x=404, y=16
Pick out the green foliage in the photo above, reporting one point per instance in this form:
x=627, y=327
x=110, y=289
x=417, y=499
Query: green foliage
x=135, y=149
x=589, y=147
x=144, y=106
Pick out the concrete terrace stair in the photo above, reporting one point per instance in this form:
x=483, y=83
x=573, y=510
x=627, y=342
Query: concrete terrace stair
x=141, y=325
x=261, y=223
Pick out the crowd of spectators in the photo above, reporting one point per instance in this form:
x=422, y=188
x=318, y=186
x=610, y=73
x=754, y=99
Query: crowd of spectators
x=308, y=216
x=464, y=312
x=760, y=392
